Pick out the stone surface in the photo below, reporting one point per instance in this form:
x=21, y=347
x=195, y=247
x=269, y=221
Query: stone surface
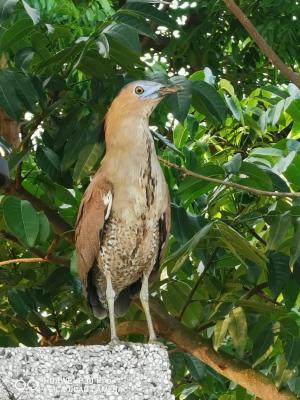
x=122, y=372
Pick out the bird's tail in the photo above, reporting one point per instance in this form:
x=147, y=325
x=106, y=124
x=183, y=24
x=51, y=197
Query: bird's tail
x=99, y=310
x=123, y=301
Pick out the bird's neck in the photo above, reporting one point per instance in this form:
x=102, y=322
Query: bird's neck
x=126, y=135
x=130, y=149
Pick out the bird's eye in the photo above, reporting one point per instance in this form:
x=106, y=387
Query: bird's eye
x=139, y=90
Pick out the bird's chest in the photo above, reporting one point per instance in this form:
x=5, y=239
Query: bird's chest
x=128, y=250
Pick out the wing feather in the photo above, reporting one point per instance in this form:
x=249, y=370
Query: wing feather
x=93, y=213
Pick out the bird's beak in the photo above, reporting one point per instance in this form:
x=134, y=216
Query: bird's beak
x=169, y=89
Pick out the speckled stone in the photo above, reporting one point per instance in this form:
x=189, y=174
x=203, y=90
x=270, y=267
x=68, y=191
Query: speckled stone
x=122, y=372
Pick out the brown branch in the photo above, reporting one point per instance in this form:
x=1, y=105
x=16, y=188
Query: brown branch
x=172, y=330
x=59, y=225
x=22, y=260
x=262, y=44
x=52, y=258
x=258, y=192
x=256, y=289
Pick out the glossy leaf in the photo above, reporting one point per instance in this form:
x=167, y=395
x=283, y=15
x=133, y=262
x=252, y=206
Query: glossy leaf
x=87, y=159
x=207, y=101
x=32, y=12
x=220, y=331
x=237, y=328
x=21, y=219
x=17, y=93
x=16, y=32
x=178, y=258
x=278, y=230
x=49, y=162
x=279, y=272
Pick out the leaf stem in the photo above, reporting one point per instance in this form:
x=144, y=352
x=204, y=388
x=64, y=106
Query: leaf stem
x=229, y=184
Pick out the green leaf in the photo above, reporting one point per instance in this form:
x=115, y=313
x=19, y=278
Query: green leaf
x=257, y=177
x=148, y=11
x=263, y=345
x=175, y=296
x=94, y=65
x=166, y=141
x=196, y=368
x=87, y=159
x=59, y=277
x=207, y=101
x=17, y=300
x=124, y=56
x=44, y=228
x=184, y=224
x=183, y=252
x=237, y=328
x=125, y=36
x=21, y=219
x=185, y=390
x=16, y=157
x=292, y=172
x=191, y=188
x=26, y=336
x=293, y=109
x=233, y=166
x=73, y=268
x=279, y=226
x=49, y=162
x=279, y=272
x=17, y=93
x=276, y=112
x=16, y=32
x=220, y=331
x=6, y=8
x=33, y=13
x=180, y=102
x=180, y=135
x=136, y=23
x=235, y=107
x=239, y=245
x=292, y=351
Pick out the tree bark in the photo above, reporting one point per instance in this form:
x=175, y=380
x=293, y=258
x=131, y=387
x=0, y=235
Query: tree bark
x=262, y=44
x=187, y=340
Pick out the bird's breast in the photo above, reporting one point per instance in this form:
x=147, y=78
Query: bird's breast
x=127, y=250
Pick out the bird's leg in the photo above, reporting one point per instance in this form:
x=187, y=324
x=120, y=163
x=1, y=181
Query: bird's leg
x=110, y=297
x=144, y=296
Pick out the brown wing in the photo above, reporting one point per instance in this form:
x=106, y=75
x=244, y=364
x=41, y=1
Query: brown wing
x=164, y=231
x=93, y=212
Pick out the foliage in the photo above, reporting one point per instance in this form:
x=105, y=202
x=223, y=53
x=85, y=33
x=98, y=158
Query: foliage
x=232, y=272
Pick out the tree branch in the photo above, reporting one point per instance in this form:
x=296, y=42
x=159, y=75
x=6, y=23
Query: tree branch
x=22, y=260
x=262, y=44
x=199, y=280
x=258, y=192
x=172, y=330
x=52, y=258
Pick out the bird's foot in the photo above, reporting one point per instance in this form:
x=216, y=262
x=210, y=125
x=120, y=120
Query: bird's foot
x=155, y=341
x=115, y=341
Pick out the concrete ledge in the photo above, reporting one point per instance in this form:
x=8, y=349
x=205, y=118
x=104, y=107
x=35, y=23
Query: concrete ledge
x=123, y=372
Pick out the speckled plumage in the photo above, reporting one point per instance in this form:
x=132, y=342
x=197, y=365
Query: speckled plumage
x=126, y=251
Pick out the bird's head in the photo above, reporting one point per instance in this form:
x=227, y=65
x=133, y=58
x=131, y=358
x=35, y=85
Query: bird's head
x=141, y=97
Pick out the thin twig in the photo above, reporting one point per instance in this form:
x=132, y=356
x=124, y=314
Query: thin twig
x=199, y=280
x=258, y=192
x=256, y=289
x=22, y=260
x=262, y=44
x=51, y=258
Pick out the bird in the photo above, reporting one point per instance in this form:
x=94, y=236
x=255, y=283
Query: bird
x=123, y=222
